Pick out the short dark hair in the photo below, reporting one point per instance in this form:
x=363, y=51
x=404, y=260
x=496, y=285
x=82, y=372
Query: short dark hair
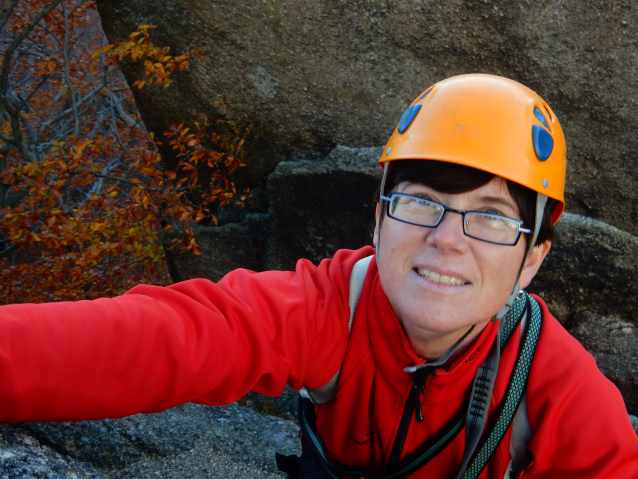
x=453, y=178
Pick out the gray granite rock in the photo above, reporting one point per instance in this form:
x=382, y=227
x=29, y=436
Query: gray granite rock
x=588, y=281
x=209, y=441
x=592, y=266
x=23, y=457
x=322, y=73
x=320, y=205
x=223, y=249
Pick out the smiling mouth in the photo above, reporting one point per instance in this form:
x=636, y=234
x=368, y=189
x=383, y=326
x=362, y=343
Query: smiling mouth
x=441, y=278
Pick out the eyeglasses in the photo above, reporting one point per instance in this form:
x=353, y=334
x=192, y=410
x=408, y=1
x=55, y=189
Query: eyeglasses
x=488, y=227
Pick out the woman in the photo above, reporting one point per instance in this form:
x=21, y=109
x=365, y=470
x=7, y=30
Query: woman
x=464, y=220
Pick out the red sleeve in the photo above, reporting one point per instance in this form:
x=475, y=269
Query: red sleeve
x=580, y=424
x=154, y=348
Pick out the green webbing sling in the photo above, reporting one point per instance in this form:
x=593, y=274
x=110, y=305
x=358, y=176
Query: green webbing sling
x=516, y=388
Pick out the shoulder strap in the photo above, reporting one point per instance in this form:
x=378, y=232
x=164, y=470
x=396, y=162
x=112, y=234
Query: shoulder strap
x=328, y=391
x=515, y=391
x=519, y=443
x=521, y=457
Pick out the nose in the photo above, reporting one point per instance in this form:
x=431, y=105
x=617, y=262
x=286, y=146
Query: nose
x=449, y=234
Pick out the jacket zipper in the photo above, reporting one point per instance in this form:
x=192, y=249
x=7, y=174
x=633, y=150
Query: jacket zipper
x=412, y=404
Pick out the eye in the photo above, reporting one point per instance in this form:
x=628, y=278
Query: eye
x=425, y=199
x=491, y=211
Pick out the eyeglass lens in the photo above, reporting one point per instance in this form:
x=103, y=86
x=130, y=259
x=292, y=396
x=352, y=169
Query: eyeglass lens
x=484, y=226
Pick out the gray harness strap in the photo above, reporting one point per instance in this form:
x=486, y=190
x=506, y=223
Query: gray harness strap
x=520, y=455
x=328, y=391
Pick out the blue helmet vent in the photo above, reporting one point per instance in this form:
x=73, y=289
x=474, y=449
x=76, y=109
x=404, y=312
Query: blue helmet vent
x=540, y=117
x=425, y=95
x=408, y=116
x=543, y=142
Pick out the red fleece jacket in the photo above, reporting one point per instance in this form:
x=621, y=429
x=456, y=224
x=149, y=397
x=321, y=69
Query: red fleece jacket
x=154, y=348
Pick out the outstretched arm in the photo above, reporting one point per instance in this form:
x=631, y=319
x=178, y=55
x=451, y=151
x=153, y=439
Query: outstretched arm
x=154, y=348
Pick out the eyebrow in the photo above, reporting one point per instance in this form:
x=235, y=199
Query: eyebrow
x=497, y=200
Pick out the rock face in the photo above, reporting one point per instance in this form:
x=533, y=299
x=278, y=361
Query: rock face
x=21, y=456
x=318, y=206
x=592, y=266
x=322, y=73
x=588, y=281
x=224, y=248
x=187, y=441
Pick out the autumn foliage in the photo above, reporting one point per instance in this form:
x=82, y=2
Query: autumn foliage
x=84, y=196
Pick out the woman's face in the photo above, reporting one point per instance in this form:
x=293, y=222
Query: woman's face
x=440, y=281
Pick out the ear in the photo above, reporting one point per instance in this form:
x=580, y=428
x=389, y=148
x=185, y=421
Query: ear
x=533, y=263
x=375, y=235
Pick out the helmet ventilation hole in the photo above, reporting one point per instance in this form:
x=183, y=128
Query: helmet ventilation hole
x=540, y=117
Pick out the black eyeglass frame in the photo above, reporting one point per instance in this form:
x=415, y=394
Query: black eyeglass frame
x=462, y=213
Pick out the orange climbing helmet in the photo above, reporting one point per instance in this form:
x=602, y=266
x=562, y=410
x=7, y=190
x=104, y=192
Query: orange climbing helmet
x=489, y=123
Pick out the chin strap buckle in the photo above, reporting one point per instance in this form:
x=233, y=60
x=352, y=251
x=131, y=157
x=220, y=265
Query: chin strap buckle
x=516, y=292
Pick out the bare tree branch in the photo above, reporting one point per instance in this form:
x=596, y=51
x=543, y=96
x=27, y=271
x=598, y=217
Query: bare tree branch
x=7, y=8
x=14, y=198
x=120, y=110
x=33, y=92
x=67, y=73
x=108, y=177
x=8, y=53
x=65, y=113
x=8, y=250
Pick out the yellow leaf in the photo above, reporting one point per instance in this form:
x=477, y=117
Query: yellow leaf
x=140, y=85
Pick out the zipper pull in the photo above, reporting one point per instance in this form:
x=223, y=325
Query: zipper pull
x=418, y=410
x=419, y=388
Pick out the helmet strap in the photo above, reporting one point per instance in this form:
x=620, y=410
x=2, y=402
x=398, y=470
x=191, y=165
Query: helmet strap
x=381, y=200
x=541, y=201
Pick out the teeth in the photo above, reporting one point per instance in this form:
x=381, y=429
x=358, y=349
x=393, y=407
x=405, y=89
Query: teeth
x=440, y=278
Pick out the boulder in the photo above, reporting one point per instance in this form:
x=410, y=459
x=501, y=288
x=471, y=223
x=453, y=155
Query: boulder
x=592, y=266
x=322, y=73
x=22, y=456
x=320, y=205
x=224, y=248
x=588, y=281
x=186, y=441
